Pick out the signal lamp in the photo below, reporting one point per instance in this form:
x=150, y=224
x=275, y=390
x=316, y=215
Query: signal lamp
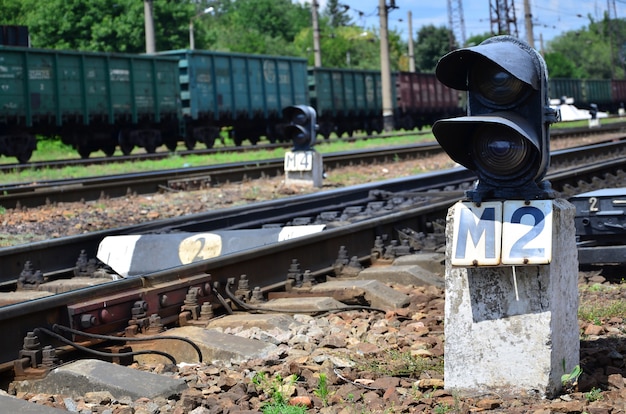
x=302, y=126
x=505, y=137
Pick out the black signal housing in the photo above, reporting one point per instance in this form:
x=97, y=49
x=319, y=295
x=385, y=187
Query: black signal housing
x=504, y=138
x=302, y=126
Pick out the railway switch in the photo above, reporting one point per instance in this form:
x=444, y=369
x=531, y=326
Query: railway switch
x=302, y=126
x=504, y=138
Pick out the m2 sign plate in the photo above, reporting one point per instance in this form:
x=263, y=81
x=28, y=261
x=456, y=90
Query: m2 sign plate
x=502, y=233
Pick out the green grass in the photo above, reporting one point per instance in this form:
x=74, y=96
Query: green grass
x=599, y=309
x=54, y=150
x=278, y=390
x=396, y=363
x=585, y=123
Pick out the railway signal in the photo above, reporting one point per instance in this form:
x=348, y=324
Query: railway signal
x=302, y=126
x=504, y=138
x=509, y=242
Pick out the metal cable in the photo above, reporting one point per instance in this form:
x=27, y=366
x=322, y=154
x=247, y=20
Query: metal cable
x=127, y=339
x=66, y=341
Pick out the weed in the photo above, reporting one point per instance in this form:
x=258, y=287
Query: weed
x=570, y=380
x=429, y=394
x=278, y=389
x=442, y=408
x=398, y=363
x=597, y=311
x=596, y=287
x=322, y=390
x=594, y=394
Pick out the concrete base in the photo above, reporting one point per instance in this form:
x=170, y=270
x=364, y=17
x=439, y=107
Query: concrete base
x=88, y=375
x=10, y=298
x=499, y=341
x=409, y=275
x=265, y=321
x=302, y=304
x=375, y=292
x=11, y=404
x=214, y=345
x=312, y=176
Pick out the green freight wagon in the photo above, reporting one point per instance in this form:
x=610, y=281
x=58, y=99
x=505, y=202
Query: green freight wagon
x=244, y=93
x=346, y=100
x=598, y=91
x=91, y=100
x=584, y=91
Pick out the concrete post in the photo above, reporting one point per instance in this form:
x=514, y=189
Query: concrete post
x=149, y=26
x=510, y=335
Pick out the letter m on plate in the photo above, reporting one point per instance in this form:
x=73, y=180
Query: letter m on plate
x=477, y=236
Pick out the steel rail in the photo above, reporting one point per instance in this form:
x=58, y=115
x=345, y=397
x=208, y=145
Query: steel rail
x=556, y=133
x=55, y=164
x=93, y=188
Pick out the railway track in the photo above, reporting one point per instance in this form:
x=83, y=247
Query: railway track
x=188, y=178
x=606, y=128
x=416, y=205
x=60, y=255
x=93, y=188
x=80, y=162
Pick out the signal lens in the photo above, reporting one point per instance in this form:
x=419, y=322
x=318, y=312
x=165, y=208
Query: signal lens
x=501, y=153
x=495, y=86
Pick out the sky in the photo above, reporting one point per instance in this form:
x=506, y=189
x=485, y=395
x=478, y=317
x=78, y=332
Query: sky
x=550, y=17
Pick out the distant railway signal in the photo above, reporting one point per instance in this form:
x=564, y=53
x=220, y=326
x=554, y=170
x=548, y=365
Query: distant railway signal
x=302, y=126
x=504, y=138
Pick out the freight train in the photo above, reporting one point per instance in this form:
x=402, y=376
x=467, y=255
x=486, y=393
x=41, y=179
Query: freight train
x=104, y=101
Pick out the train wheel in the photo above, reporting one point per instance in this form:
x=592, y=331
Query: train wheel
x=171, y=145
x=150, y=148
x=126, y=148
x=109, y=150
x=190, y=143
x=84, y=152
x=24, y=156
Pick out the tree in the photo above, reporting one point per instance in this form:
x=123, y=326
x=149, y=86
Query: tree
x=254, y=26
x=337, y=14
x=13, y=12
x=561, y=67
x=593, y=51
x=475, y=40
x=105, y=25
x=432, y=43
